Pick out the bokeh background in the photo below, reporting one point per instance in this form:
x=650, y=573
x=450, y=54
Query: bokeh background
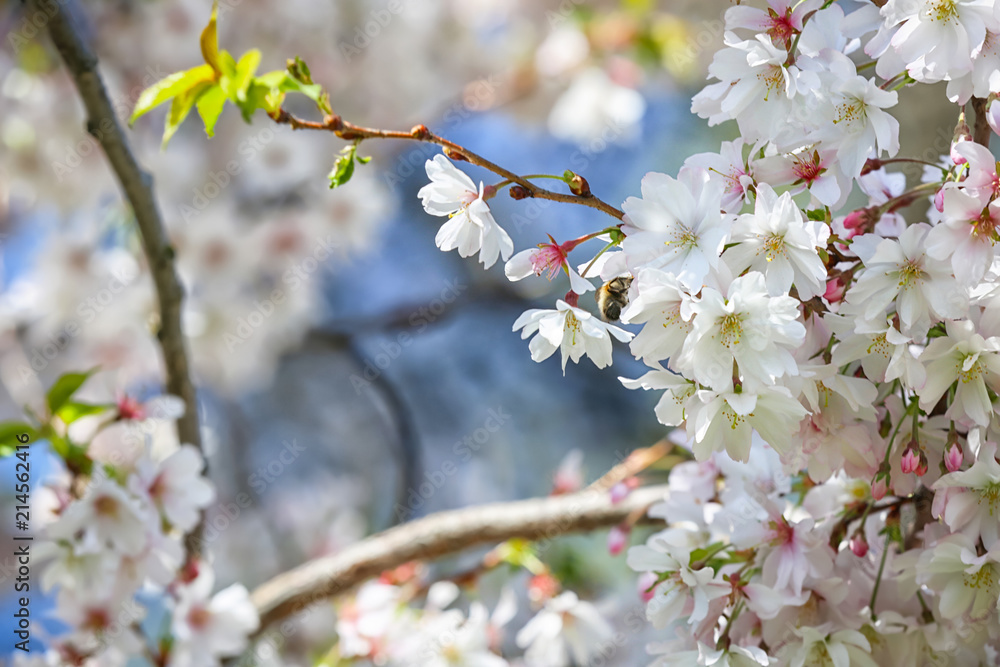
x=384, y=358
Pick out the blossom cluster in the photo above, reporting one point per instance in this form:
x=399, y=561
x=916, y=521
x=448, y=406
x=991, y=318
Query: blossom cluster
x=114, y=555
x=834, y=371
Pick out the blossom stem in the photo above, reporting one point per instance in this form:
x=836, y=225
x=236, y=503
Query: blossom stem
x=351, y=132
x=583, y=274
x=878, y=578
x=982, y=132
x=913, y=161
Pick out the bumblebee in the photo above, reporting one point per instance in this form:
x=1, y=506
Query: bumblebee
x=612, y=297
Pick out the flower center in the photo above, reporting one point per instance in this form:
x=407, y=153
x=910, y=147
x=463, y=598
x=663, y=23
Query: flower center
x=984, y=227
x=199, y=617
x=807, y=171
x=991, y=495
x=850, y=112
x=547, y=259
x=106, y=506
x=945, y=11
x=573, y=325
x=909, y=273
x=774, y=246
x=730, y=329
x=773, y=78
x=985, y=578
x=683, y=237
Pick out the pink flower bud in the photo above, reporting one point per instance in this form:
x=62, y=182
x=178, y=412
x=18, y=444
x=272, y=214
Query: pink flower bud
x=619, y=492
x=939, y=200
x=910, y=461
x=834, y=290
x=859, y=545
x=921, y=465
x=879, y=488
x=645, y=585
x=855, y=219
x=953, y=457
x=618, y=538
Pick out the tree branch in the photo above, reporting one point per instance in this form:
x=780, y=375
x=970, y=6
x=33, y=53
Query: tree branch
x=137, y=187
x=440, y=534
x=350, y=132
x=982, y=132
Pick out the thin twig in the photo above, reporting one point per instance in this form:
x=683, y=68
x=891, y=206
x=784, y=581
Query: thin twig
x=440, y=534
x=634, y=463
x=350, y=132
x=136, y=185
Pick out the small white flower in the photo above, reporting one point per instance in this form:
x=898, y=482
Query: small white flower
x=107, y=515
x=780, y=243
x=471, y=228
x=207, y=627
x=966, y=358
x=664, y=305
x=676, y=226
x=968, y=584
x=900, y=271
x=177, y=486
x=566, y=626
x=747, y=326
x=573, y=331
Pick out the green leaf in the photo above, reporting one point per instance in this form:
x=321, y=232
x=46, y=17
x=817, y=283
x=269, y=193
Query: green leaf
x=64, y=388
x=816, y=214
x=245, y=70
x=210, y=105
x=168, y=88
x=8, y=436
x=343, y=168
x=180, y=108
x=73, y=410
x=210, y=40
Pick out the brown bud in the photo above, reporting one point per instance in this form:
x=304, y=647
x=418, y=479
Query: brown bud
x=454, y=154
x=579, y=186
x=519, y=192
x=872, y=164
x=420, y=132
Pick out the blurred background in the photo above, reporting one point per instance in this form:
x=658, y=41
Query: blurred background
x=326, y=324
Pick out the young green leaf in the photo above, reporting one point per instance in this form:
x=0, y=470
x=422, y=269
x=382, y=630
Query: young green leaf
x=170, y=87
x=9, y=432
x=64, y=388
x=245, y=70
x=210, y=40
x=210, y=105
x=179, y=109
x=73, y=410
x=343, y=168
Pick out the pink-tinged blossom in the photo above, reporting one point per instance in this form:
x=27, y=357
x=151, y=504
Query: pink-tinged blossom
x=900, y=273
x=967, y=584
x=566, y=626
x=177, y=486
x=968, y=361
x=108, y=516
x=972, y=502
x=547, y=258
x=730, y=168
x=966, y=235
x=207, y=627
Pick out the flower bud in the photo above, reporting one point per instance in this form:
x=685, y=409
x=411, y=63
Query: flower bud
x=879, y=488
x=910, y=460
x=541, y=587
x=645, y=585
x=859, y=545
x=962, y=133
x=578, y=185
x=618, y=538
x=834, y=290
x=939, y=200
x=519, y=192
x=953, y=457
x=619, y=492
